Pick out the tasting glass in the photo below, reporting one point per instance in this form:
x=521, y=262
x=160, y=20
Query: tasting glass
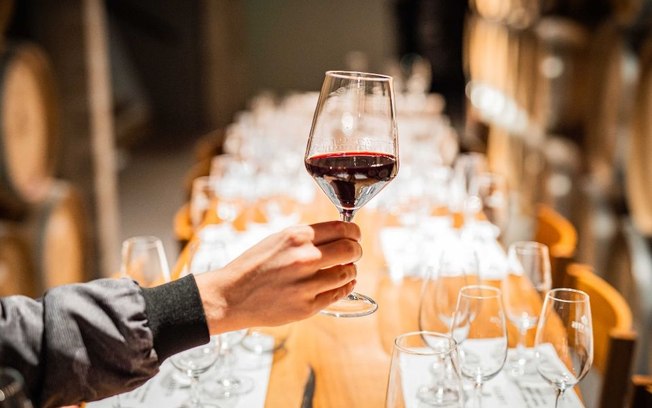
x=413, y=357
x=12, y=389
x=203, y=200
x=352, y=152
x=457, y=268
x=209, y=254
x=524, y=288
x=467, y=167
x=143, y=259
x=489, y=200
x=564, y=339
x=481, y=334
x=193, y=363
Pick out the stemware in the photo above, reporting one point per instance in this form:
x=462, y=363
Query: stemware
x=203, y=199
x=467, y=167
x=564, y=339
x=413, y=356
x=144, y=260
x=457, y=268
x=352, y=152
x=527, y=281
x=12, y=392
x=481, y=334
x=207, y=254
x=193, y=363
x=489, y=199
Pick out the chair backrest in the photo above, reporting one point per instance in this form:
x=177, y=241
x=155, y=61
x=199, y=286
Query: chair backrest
x=613, y=337
x=642, y=394
x=560, y=236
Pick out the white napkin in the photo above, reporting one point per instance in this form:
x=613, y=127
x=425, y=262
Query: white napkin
x=163, y=391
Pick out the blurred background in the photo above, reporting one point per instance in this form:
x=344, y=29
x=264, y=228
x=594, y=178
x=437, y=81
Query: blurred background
x=105, y=106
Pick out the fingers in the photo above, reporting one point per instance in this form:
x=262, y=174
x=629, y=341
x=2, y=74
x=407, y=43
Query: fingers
x=333, y=230
x=340, y=252
x=332, y=278
x=326, y=298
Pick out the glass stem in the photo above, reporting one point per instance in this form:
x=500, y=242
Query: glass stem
x=520, y=345
x=560, y=394
x=477, y=395
x=347, y=215
x=194, y=391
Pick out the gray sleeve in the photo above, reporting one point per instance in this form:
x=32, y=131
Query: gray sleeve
x=87, y=341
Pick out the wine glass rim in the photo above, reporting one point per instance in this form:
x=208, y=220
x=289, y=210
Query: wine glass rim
x=428, y=351
x=521, y=246
x=145, y=239
x=496, y=291
x=365, y=76
x=583, y=295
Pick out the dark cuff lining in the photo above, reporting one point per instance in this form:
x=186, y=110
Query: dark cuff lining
x=176, y=316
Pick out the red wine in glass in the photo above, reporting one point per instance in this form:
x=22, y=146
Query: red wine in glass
x=351, y=179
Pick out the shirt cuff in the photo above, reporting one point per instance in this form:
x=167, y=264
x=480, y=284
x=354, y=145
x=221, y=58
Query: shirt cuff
x=176, y=316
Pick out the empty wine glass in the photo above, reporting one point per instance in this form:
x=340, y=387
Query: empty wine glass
x=203, y=199
x=528, y=280
x=564, y=339
x=193, y=363
x=467, y=167
x=481, y=334
x=12, y=390
x=208, y=254
x=144, y=261
x=457, y=268
x=413, y=356
x=352, y=152
x=225, y=383
x=489, y=200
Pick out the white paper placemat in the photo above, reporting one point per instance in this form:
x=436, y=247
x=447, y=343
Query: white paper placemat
x=528, y=391
x=162, y=391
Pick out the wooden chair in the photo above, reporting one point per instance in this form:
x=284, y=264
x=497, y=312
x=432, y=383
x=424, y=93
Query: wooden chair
x=642, y=393
x=555, y=231
x=613, y=337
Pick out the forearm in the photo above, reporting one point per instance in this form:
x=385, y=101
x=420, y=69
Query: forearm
x=88, y=341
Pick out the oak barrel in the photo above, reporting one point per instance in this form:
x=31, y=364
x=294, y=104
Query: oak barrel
x=16, y=267
x=28, y=128
x=56, y=233
x=639, y=165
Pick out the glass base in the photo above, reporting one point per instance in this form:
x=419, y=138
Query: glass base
x=439, y=395
x=354, y=305
x=228, y=387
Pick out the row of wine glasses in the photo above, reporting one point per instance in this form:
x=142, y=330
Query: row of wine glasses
x=452, y=303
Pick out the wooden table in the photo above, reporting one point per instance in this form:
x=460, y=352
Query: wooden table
x=351, y=357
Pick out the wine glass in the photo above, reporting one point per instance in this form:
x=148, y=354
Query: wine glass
x=413, y=356
x=195, y=362
x=208, y=254
x=144, y=261
x=467, y=167
x=489, y=200
x=457, y=268
x=12, y=390
x=352, y=152
x=528, y=280
x=481, y=334
x=564, y=339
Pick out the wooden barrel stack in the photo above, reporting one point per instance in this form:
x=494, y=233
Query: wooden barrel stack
x=42, y=221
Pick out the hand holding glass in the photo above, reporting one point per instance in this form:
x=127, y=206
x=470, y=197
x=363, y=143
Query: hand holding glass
x=352, y=152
